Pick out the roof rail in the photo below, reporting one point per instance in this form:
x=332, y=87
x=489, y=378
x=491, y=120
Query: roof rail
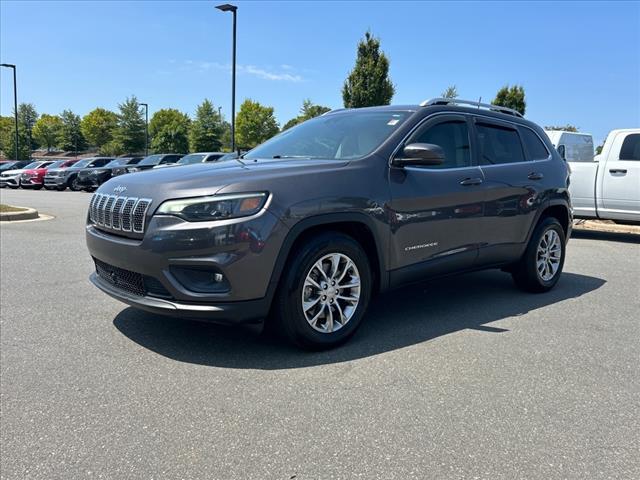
x=486, y=106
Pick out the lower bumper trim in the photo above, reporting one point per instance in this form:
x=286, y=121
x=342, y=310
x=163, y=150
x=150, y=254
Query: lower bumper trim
x=250, y=311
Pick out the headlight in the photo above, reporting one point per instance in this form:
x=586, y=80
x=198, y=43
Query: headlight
x=215, y=207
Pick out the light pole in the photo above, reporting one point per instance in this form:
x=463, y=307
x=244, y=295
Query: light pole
x=146, y=128
x=233, y=9
x=15, y=101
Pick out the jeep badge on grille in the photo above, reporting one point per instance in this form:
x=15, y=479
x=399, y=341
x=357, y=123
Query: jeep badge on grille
x=119, y=189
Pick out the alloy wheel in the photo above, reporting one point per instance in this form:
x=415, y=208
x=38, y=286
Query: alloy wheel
x=331, y=293
x=548, y=255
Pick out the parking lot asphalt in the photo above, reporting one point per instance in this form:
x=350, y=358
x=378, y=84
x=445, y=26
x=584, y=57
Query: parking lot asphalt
x=463, y=377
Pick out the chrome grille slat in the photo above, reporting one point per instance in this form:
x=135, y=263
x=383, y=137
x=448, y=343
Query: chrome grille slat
x=100, y=216
x=139, y=213
x=107, y=210
x=116, y=223
x=127, y=209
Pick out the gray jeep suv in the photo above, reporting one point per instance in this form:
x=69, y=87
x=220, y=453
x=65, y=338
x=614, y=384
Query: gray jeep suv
x=305, y=228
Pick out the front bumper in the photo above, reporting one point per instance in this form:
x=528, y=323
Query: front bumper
x=54, y=181
x=13, y=181
x=31, y=181
x=248, y=311
x=243, y=250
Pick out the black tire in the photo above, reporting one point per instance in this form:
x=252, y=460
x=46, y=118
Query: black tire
x=525, y=273
x=288, y=315
x=74, y=185
x=61, y=189
x=14, y=187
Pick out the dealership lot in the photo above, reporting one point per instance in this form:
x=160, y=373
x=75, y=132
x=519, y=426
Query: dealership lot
x=458, y=378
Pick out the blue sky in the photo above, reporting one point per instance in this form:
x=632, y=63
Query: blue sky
x=578, y=61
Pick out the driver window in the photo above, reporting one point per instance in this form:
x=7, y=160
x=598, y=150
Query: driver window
x=453, y=138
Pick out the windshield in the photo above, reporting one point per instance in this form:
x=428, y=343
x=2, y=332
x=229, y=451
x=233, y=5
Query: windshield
x=117, y=162
x=7, y=166
x=56, y=164
x=189, y=159
x=82, y=163
x=32, y=165
x=341, y=136
x=150, y=160
x=228, y=156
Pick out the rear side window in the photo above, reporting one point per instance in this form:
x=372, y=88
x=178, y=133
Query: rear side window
x=631, y=147
x=533, y=144
x=498, y=144
x=453, y=138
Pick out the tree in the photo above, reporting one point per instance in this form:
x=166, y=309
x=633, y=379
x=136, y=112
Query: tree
x=450, y=92
x=207, y=129
x=47, y=130
x=98, y=126
x=7, y=130
x=70, y=136
x=27, y=117
x=129, y=135
x=567, y=128
x=368, y=84
x=24, y=152
x=307, y=111
x=169, y=131
x=255, y=123
x=511, y=97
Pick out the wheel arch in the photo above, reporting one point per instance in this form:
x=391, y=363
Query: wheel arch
x=358, y=226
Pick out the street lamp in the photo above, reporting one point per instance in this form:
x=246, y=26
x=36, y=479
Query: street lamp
x=233, y=9
x=15, y=101
x=146, y=128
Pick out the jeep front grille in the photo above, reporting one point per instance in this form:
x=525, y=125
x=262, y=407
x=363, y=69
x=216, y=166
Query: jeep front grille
x=113, y=212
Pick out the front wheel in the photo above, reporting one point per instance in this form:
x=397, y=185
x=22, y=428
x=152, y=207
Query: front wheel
x=75, y=185
x=325, y=292
x=540, y=267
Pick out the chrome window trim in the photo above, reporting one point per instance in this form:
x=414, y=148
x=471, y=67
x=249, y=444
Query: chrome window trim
x=465, y=114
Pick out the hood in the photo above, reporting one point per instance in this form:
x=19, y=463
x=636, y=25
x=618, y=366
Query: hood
x=208, y=178
x=13, y=172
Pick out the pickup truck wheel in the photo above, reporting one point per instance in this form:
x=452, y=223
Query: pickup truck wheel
x=540, y=267
x=324, y=293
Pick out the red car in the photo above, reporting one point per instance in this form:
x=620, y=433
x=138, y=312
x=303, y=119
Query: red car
x=34, y=178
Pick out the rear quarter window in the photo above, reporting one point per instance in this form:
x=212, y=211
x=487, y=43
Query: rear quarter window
x=534, y=146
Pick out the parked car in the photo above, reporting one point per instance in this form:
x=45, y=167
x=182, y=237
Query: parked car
x=91, y=178
x=61, y=178
x=12, y=178
x=46, y=181
x=14, y=165
x=34, y=178
x=192, y=158
x=322, y=216
x=154, y=160
x=607, y=186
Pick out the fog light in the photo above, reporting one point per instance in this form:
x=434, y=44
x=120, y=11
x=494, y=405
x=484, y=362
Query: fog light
x=200, y=279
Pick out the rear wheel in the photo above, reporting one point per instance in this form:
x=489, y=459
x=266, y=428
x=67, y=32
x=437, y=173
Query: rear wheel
x=540, y=267
x=324, y=293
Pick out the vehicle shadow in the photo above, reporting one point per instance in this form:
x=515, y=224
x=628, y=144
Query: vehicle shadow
x=607, y=236
x=400, y=318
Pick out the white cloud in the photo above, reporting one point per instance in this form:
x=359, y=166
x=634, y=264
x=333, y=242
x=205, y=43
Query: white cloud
x=263, y=73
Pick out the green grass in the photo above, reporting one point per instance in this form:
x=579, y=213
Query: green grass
x=8, y=208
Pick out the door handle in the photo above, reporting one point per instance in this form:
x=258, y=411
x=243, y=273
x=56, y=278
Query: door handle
x=535, y=176
x=471, y=181
x=618, y=170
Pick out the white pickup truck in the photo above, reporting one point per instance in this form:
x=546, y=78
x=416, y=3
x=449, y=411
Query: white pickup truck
x=607, y=186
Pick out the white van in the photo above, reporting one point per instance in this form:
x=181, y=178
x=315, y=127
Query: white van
x=572, y=146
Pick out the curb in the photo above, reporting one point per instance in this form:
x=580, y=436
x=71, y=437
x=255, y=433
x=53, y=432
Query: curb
x=26, y=214
x=595, y=225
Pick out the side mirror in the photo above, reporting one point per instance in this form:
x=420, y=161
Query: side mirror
x=562, y=152
x=419, y=154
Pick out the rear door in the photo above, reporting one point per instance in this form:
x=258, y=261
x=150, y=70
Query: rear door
x=517, y=170
x=621, y=178
x=436, y=211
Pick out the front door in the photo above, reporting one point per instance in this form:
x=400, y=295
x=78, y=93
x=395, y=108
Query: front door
x=436, y=211
x=621, y=178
